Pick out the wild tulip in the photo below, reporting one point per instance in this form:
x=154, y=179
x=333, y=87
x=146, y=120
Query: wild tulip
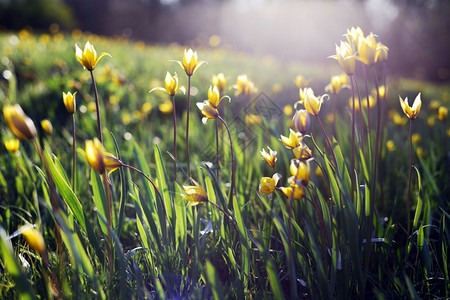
x=301, y=121
x=382, y=52
x=346, y=57
x=443, y=113
x=12, y=145
x=220, y=81
x=295, y=191
x=411, y=111
x=353, y=36
x=194, y=194
x=94, y=155
x=19, y=123
x=293, y=141
x=302, y=152
x=34, y=238
x=300, y=171
x=267, y=185
x=313, y=103
x=88, y=57
x=367, y=49
x=47, y=126
x=207, y=110
x=270, y=157
x=69, y=101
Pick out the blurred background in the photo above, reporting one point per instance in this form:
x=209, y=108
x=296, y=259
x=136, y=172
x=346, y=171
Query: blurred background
x=417, y=32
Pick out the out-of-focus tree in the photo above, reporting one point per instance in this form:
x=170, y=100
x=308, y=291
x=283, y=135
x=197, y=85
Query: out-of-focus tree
x=16, y=14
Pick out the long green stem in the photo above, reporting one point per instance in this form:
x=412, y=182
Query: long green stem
x=187, y=125
x=353, y=141
x=233, y=171
x=225, y=213
x=217, y=150
x=361, y=127
x=174, y=140
x=328, y=141
x=408, y=200
x=99, y=122
x=109, y=226
x=74, y=154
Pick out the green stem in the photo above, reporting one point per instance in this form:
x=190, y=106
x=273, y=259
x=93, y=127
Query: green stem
x=233, y=179
x=74, y=154
x=408, y=200
x=109, y=226
x=174, y=140
x=225, y=213
x=99, y=122
x=328, y=141
x=217, y=150
x=353, y=142
x=361, y=128
x=187, y=126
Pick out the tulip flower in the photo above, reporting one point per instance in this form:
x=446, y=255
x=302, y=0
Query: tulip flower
x=300, y=171
x=301, y=82
x=220, y=81
x=47, y=126
x=19, y=123
x=295, y=191
x=270, y=157
x=382, y=52
x=69, y=101
x=34, y=238
x=170, y=85
x=207, y=110
x=267, y=185
x=411, y=111
x=12, y=145
x=294, y=140
x=346, y=57
x=353, y=36
x=367, y=49
x=88, y=57
x=302, y=152
x=94, y=155
x=443, y=113
x=301, y=121
x=313, y=103
x=194, y=194
x=214, y=96
x=337, y=83
x=244, y=86
x=190, y=62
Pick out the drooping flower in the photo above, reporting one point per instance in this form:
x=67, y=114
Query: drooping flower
x=267, y=185
x=94, y=155
x=270, y=157
x=207, y=110
x=69, y=101
x=301, y=121
x=296, y=191
x=111, y=162
x=293, y=141
x=19, y=123
x=88, y=57
x=194, y=194
x=411, y=111
x=346, y=57
x=12, y=145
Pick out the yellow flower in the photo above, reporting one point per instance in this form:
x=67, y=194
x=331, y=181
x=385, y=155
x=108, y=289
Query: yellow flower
x=34, y=238
x=299, y=192
x=214, y=96
x=411, y=111
x=301, y=121
x=111, y=162
x=19, y=123
x=294, y=140
x=337, y=83
x=287, y=110
x=194, y=194
x=47, y=126
x=313, y=103
x=302, y=152
x=270, y=157
x=399, y=120
x=166, y=107
x=350, y=103
x=94, y=155
x=390, y=145
x=353, y=36
x=302, y=94
x=300, y=171
x=69, y=101
x=220, y=81
x=372, y=101
x=171, y=84
x=301, y=82
x=416, y=138
x=190, y=62
x=420, y=152
x=381, y=91
x=431, y=121
x=382, y=52
x=367, y=49
x=267, y=185
x=88, y=57
x=318, y=171
x=244, y=86
x=443, y=113
x=434, y=105
x=12, y=145
x=207, y=110
x=346, y=57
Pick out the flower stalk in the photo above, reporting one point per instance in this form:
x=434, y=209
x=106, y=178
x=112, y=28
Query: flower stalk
x=233, y=171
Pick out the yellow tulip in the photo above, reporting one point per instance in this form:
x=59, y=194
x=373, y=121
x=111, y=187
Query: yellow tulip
x=47, y=126
x=294, y=140
x=300, y=171
x=88, y=57
x=301, y=82
x=367, y=49
x=382, y=52
x=190, y=62
x=270, y=157
x=220, y=81
x=346, y=57
x=166, y=107
x=111, y=162
x=19, y=123
x=69, y=101
x=207, y=110
x=390, y=145
x=94, y=155
x=313, y=103
x=244, y=86
x=267, y=185
x=353, y=36
x=298, y=191
x=302, y=152
x=337, y=83
x=287, y=110
x=411, y=111
x=214, y=96
x=194, y=194
x=301, y=121
x=443, y=113
x=171, y=84
x=34, y=238
x=12, y=145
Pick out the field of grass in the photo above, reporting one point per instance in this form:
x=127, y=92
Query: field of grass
x=356, y=221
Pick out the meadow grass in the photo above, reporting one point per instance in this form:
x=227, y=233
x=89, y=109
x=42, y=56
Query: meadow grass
x=139, y=232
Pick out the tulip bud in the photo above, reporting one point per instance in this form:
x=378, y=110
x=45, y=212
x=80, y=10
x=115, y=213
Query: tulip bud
x=47, y=126
x=12, y=145
x=194, y=194
x=94, y=155
x=301, y=121
x=69, y=101
x=19, y=123
x=34, y=239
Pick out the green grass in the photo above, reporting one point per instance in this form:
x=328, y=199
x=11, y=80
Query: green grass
x=273, y=247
